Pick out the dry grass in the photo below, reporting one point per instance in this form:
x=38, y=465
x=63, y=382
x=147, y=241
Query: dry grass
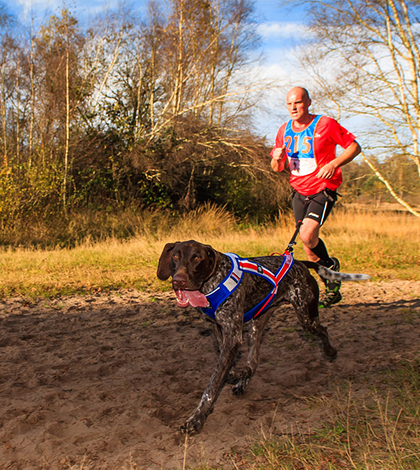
x=382, y=245
x=378, y=431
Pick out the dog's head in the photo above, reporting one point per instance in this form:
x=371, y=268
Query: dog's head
x=190, y=264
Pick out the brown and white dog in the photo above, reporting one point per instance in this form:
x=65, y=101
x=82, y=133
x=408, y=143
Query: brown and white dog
x=198, y=270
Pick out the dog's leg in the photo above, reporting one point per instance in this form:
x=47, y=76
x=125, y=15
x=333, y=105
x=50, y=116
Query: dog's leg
x=231, y=340
x=218, y=337
x=241, y=379
x=314, y=326
x=304, y=295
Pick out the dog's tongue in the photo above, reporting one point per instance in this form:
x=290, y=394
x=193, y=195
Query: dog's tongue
x=188, y=297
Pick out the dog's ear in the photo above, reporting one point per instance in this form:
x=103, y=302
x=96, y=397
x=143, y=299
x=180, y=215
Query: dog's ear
x=214, y=258
x=164, y=267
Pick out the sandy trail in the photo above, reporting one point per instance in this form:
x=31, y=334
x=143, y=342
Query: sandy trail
x=108, y=379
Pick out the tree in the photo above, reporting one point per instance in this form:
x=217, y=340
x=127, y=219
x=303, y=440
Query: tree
x=10, y=56
x=61, y=89
x=206, y=46
x=373, y=46
x=178, y=84
x=132, y=111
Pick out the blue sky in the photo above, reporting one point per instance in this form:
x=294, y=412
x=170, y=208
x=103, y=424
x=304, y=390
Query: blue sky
x=280, y=29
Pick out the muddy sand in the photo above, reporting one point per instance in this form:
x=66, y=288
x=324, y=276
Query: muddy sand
x=105, y=381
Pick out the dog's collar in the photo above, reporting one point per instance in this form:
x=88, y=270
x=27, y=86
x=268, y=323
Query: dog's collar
x=231, y=282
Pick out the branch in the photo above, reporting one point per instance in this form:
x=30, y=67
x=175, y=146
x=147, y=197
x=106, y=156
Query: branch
x=389, y=187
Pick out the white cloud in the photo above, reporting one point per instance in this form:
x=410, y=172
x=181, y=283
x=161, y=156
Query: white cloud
x=274, y=30
x=35, y=5
x=48, y=6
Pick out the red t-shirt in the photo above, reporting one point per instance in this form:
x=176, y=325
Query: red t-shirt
x=311, y=148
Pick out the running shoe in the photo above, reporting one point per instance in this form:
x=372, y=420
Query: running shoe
x=332, y=293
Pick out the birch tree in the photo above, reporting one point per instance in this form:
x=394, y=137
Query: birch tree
x=61, y=90
x=206, y=48
x=9, y=79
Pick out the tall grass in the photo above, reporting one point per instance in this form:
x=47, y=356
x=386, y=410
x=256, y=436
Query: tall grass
x=386, y=246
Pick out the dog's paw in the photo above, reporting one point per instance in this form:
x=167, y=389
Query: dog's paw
x=330, y=352
x=233, y=377
x=240, y=387
x=193, y=425
x=241, y=381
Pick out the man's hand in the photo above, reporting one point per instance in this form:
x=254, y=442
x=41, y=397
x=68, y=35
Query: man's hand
x=327, y=171
x=278, y=153
x=278, y=158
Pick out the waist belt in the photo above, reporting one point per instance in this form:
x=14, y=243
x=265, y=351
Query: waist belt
x=234, y=278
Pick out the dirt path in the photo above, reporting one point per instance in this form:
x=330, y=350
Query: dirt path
x=110, y=378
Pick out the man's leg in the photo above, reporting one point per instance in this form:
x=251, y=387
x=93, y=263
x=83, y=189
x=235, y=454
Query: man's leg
x=314, y=211
x=310, y=211
x=309, y=234
x=316, y=251
x=332, y=294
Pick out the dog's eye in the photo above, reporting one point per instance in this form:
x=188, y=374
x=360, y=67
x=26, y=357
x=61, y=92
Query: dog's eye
x=175, y=256
x=197, y=258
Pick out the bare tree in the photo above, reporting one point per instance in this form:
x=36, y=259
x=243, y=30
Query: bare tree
x=9, y=76
x=206, y=46
x=189, y=63
x=366, y=64
x=61, y=89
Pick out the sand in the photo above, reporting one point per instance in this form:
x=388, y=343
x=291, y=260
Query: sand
x=105, y=381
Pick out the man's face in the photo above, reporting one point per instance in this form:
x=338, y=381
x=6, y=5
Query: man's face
x=297, y=104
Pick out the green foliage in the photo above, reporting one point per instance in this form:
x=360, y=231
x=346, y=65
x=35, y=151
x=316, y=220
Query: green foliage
x=154, y=194
x=27, y=190
x=248, y=197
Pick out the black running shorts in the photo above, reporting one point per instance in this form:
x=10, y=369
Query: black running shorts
x=316, y=207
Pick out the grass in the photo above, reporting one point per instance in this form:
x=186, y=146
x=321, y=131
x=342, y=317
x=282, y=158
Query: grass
x=386, y=246
x=379, y=430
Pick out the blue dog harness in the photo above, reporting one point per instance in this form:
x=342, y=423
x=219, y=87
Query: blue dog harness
x=234, y=278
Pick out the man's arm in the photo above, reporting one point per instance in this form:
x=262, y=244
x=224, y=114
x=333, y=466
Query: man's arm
x=278, y=154
x=351, y=152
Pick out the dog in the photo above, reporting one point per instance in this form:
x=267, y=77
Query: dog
x=199, y=273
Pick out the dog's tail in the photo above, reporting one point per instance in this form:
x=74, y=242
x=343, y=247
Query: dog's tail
x=330, y=275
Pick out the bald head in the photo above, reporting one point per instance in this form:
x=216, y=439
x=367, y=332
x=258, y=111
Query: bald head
x=300, y=90
x=298, y=102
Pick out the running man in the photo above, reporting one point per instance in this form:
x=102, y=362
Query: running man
x=307, y=145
